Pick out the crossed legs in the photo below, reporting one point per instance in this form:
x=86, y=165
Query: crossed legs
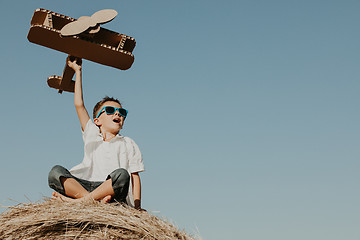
x=75, y=192
x=70, y=188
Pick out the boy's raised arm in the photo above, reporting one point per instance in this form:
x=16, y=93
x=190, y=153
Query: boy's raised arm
x=78, y=94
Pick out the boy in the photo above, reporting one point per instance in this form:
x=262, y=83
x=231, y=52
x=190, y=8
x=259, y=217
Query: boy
x=109, y=170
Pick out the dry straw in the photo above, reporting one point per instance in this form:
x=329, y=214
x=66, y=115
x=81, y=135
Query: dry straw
x=92, y=220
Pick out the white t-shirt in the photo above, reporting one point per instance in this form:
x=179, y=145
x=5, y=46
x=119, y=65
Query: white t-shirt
x=101, y=158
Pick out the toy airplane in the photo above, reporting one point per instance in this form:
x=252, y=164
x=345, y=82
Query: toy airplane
x=81, y=38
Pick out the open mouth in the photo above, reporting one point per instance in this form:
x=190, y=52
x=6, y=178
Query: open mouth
x=116, y=120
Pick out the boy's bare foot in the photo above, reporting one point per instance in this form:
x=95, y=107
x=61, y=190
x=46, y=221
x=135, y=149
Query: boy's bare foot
x=106, y=199
x=59, y=197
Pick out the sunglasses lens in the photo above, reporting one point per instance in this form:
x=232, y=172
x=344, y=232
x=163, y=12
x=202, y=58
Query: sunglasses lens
x=109, y=110
x=122, y=112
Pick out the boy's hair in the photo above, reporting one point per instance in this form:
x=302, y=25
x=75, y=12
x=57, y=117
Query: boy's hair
x=100, y=103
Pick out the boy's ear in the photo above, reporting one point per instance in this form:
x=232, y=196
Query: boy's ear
x=97, y=122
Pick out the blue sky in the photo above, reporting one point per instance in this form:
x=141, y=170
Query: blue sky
x=247, y=112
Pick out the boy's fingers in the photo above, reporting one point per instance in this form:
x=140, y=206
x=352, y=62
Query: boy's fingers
x=72, y=58
x=76, y=61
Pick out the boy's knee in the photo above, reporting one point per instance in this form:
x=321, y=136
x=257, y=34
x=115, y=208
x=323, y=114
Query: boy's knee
x=120, y=182
x=120, y=175
x=54, y=178
x=56, y=172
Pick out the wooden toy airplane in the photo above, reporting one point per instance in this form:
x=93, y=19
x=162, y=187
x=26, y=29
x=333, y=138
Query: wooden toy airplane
x=81, y=38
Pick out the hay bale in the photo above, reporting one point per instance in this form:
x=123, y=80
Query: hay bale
x=92, y=220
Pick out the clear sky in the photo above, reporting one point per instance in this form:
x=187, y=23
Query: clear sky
x=247, y=112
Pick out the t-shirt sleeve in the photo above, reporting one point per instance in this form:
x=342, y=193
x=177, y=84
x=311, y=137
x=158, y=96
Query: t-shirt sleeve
x=135, y=157
x=91, y=131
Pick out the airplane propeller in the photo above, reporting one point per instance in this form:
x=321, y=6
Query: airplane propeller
x=85, y=23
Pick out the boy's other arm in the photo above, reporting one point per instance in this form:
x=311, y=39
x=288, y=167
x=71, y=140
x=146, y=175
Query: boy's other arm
x=136, y=185
x=78, y=94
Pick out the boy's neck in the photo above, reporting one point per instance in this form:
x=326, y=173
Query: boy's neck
x=107, y=136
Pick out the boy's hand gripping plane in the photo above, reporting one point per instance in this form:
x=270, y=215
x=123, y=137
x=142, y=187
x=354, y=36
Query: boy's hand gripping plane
x=81, y=38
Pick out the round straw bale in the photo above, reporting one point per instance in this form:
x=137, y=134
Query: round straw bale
x=87, y=220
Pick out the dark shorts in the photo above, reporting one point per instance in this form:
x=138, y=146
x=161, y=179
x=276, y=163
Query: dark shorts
x=120, y=182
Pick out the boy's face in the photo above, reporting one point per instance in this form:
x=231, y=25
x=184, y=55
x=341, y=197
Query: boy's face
x=110, y=123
